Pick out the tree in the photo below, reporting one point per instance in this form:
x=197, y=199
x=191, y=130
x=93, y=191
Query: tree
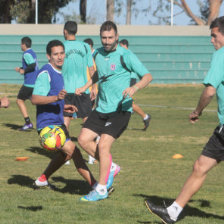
x=23, y=11
x=110, y=10
x=213, y=10
x=82, y=10
x=128, y=13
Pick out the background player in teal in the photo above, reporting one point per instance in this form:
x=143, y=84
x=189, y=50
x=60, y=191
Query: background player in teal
x=29, y=71
x=78, y=57
x=114, y=103
x=49, y=95
x=213, y=152
x=134, y=78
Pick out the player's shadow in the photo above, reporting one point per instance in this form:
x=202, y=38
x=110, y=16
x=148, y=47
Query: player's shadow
x=31, y=208
x=21, y=180
x=188, y=210
x=13, y=126
x=41, y=151
x=135, y=129
x=72, y=186
x=79, y=187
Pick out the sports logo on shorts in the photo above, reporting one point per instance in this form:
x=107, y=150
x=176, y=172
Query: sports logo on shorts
x=108, y=124
x=112, y=67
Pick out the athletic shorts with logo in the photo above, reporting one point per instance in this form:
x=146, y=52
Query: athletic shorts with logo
x=215, y=147
x=83, y=104
x=25, y=93
x=112, y=124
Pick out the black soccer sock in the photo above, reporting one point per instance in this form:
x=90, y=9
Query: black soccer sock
x=27, y=120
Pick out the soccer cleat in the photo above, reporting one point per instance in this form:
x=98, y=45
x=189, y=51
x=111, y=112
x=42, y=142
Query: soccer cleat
x=146, y=122
x=160, y=212
x=41, y=181
x=26, y=127
x=112, y=174
x=94, y=196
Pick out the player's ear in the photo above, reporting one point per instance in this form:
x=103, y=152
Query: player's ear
x=117, y=37
x=48, y=57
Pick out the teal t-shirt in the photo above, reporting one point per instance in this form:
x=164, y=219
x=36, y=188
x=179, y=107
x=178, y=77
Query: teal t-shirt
x=42, y=84
x=215, y=77
x=78, y=57
x=114, y=78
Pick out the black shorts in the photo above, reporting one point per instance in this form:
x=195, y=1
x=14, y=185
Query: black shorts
x=83, y=104
x=112, y=124
x=63, y=127
x=215, y=146
x=25, y=93
x=133, y=82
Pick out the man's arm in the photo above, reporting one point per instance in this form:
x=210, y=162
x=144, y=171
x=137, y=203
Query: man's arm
x=130, y=91
x=37, y=99
x=204, y=100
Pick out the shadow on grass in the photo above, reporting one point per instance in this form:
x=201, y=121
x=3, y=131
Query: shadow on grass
x=79, y=187
x=31, y=208
x=188, y=210
x=41, y=151
x=17, y=127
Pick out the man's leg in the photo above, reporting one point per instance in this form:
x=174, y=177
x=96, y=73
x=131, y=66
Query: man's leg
x=191, y=186
x=138, y=110
x=196, y=179
x=67, y=121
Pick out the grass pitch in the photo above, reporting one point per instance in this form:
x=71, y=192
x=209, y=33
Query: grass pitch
x=147, y=168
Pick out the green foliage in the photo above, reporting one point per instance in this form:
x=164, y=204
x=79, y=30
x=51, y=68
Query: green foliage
x=20, y=11
x=147, y=167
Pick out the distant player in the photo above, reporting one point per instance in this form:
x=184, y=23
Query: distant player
x=29, y=71
x=48, y=96
x=78, y=57
x=134, y=77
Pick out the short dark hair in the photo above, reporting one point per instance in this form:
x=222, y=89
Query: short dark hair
x=218, y=22
x=124, y=42
x=107, y=26
x=27, y=41
x=89, y=41
x=71, y=27
x=53, y=43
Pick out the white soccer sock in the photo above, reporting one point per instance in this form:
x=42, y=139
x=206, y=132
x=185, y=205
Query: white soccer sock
x=101, y=189
x=146, y=117
x=174, y=210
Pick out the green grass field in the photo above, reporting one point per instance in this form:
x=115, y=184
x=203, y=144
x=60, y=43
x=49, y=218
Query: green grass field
x=147, y=167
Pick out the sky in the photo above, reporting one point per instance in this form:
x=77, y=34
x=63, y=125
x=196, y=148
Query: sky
x=97, y=11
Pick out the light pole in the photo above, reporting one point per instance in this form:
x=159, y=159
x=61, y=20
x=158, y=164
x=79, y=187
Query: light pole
x=171, y=13
x=36, y=12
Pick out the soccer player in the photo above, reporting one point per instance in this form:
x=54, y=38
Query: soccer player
x=78, y=57
x=213, y=152
x=145, y=117
x=4, y=102
x=114, y=103
x=48, y=96
x=29, y=71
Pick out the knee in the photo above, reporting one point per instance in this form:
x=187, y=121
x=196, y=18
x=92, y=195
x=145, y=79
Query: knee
x=198, y=169
x=81, y=141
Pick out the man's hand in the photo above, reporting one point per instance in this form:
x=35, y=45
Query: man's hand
x=4, y=102
x=79, y=91
x=61, y=94
x=130, y=91
x=194, y=116
x=20, y=70
x=70, y=108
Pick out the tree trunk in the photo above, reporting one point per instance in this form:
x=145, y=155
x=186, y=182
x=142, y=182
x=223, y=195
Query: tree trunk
x=110, y=10
x=82, y=9
x=128, y=14
x=213, y=10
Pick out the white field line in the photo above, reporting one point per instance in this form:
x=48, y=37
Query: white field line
x=174, y=107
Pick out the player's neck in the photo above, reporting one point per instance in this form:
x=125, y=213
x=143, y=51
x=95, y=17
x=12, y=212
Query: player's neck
x=70, y=37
